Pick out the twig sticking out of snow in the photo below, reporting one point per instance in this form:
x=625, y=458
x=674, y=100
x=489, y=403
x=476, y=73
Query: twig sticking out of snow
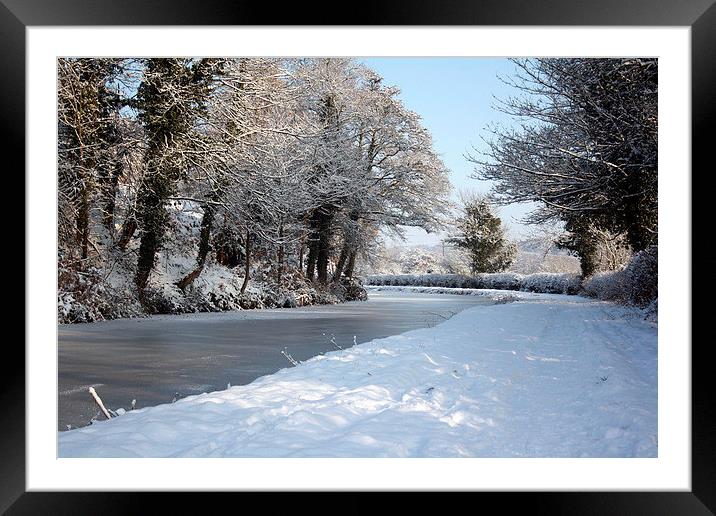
x=289, y=357
x=445, y=317
x=332, y=340
x=99, y=402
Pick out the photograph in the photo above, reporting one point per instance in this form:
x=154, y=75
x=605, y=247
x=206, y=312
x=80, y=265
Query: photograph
x=421, y=252
x=357, y=257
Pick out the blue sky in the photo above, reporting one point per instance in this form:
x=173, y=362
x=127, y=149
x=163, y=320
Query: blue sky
x=455, y=97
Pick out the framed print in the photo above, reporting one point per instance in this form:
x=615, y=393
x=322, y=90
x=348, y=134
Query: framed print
x=254, y=133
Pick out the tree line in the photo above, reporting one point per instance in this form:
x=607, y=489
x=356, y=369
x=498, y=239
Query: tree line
x=289, y=160
x=584, y=148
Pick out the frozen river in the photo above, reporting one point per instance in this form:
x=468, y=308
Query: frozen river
x=155, y=359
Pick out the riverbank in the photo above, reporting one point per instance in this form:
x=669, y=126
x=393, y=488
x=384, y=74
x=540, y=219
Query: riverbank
x=95, y=296
x=543, y=376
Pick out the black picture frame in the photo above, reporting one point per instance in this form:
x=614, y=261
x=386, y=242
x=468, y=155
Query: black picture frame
x=700, y=15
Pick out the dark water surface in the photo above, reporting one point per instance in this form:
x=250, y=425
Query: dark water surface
x=152, y=359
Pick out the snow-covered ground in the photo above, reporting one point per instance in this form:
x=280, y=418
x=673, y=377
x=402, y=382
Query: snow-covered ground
x=544, y=376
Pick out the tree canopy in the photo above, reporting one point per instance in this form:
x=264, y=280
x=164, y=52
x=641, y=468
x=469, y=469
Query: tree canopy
x=307, y=159
x=585, y=148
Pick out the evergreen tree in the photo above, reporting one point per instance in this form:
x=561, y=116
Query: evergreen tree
x=481, y=235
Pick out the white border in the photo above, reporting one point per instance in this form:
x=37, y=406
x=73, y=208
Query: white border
x=670, y=471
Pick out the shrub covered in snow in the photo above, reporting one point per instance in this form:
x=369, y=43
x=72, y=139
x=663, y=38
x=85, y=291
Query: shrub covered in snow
x=635, y=284
x=651, y=312
x=89, y=297
x=96, y=304
x=547, y=283
x=500, y=281
x=542, y=282
x=422, y=280
x=349, y=289
x=642, y=275
x=608, y=286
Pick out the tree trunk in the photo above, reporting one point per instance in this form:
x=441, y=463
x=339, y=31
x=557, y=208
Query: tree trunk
x=301, y=250
x=324, y=247
x=311, y=259
x=351, y=265
x=279, y=255
x=84, y=206
x=145, y=262
x=247, y=246
x=148, y=247
x=322, y=261
x=111, y=195
x=345, y=251
x=83, y=222
x=153, y=221
x=207, y=221
x=314, y=237
x=128, y=229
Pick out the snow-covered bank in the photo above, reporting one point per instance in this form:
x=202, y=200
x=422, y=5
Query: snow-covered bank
x=107, y=289
x=217, y=289
x=545, y=376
